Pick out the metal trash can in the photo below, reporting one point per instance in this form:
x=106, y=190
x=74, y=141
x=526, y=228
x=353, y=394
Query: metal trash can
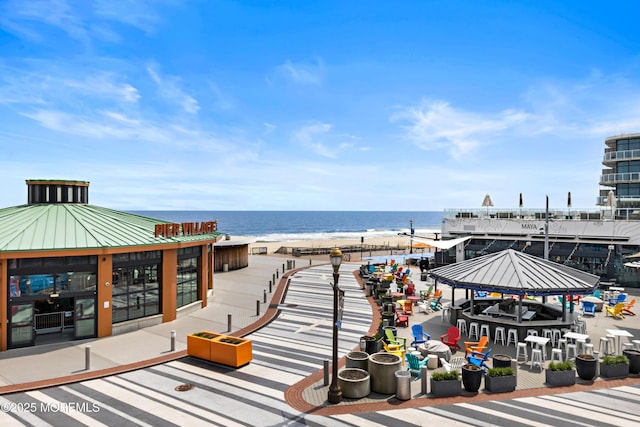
x=403, y=385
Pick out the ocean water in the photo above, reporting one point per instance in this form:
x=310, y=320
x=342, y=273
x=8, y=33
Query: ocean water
x=278, y=226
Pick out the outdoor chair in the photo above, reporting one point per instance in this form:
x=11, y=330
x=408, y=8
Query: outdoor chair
x=627, y=308
x=395, y=341
x=588, y=308
x=411, y=290
x=419, y=336
x=415, y=364
x=480, y=294
x=615, y=311
x=479, y=359
x=398, y=352
x=436, y=305
x=455, y=364
x=476, y=346
x=407, y=306
x=401, y=317
x=451, y=338
x=424, y=307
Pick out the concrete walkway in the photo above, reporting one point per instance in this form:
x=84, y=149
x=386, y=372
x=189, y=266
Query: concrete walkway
x=239, y=294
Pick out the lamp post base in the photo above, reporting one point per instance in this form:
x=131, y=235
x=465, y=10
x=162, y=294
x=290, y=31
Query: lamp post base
x=334, y=396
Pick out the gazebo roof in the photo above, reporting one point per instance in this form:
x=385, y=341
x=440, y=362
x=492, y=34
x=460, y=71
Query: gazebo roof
x=514, y=272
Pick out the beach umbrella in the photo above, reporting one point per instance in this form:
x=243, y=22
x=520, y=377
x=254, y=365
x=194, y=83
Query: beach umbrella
x=487, y=202
x=520, y=199
x=611, y=201
x=569, y=199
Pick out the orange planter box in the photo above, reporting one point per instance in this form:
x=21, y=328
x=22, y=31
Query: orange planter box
x=223, y=349
x=231, y=351
x=199, y=344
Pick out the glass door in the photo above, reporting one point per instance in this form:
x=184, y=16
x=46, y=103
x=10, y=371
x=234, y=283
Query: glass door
x=22, y=332
x=85, y=317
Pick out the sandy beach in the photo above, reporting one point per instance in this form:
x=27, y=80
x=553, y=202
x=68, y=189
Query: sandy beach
x=395, y=244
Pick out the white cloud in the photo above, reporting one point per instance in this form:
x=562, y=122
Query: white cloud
x=433, y=125
x=169, y=88
x=304, y=74
x=313, y=137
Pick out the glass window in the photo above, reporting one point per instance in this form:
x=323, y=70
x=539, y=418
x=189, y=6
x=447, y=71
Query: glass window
x=136, y=292
x=187, y=281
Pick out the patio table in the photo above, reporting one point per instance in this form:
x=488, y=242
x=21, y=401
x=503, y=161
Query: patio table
x=435, y=347
x=579, y=338
x=539, y=341
x=619, y=333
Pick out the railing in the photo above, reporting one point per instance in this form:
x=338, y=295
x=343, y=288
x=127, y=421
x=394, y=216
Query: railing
x=53, y=322
x=622, y=155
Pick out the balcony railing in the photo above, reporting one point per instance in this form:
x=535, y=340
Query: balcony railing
x=614, y=178
x=621, y=155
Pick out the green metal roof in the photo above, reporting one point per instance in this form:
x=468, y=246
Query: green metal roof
x=60, y=226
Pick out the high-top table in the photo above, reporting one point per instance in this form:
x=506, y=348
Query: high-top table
x=619, y=333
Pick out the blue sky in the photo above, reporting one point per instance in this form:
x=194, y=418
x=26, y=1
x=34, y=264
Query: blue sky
x=316, y=105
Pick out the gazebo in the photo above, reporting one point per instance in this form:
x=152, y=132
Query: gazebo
x=516, y=273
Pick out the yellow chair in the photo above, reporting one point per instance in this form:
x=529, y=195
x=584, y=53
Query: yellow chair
x=615, y=311
x=400, y=352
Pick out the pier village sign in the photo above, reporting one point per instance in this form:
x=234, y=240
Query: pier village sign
x=185, y=228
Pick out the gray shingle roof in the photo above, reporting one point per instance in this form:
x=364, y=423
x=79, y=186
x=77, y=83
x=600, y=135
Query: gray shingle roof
x=517, y=273
x=60, y=226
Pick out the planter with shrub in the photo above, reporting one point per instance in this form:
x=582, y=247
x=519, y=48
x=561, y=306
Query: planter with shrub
x=500, y=380
x=445, y=384
x=614, y=367
x=560, y=374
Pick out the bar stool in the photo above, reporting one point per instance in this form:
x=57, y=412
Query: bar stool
x=562, y=344
x=547, y=333
x=571, y=351
x=557, y=335
x=604, y=346
x=522, y=347
x=499, y=335
x=636, y=344
x=461, y=324
x=536, y=358
x=627, y=346
x=588, y=348
x=474, y=328
x=446, y=311
x=512, y=335
x=484, y=330
x=612, y=343
x=580, y=344
x=556, y=354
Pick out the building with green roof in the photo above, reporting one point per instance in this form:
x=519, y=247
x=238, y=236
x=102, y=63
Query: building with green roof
x=72, y=270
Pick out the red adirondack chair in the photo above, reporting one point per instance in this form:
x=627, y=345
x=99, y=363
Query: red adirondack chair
x=451, y=338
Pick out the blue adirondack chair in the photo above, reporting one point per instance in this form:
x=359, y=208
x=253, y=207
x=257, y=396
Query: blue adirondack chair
x=588, y=308
x=479, y=359
x=419, y=336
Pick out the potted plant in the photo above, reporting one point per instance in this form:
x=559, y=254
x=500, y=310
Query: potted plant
x=501, y=361
x=586, y=366
x=614, y=367
x=560, y=374
x=634, y=360
x=500, y=380
x=445, y=383
x=471, y=377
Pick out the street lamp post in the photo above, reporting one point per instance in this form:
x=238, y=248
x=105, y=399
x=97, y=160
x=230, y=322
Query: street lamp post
x=335, y=394
x=411, y=238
